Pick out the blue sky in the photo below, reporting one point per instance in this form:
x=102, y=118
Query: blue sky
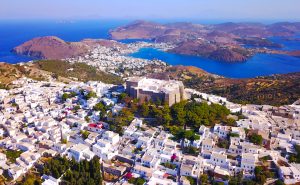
x=152, y=9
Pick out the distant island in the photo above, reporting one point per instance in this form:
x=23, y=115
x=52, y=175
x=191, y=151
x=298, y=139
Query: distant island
x=52, y=47
x=227, y=42
x=224, y=42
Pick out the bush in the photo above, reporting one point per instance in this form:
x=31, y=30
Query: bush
x=279, y=182
x=169, y=165
x=223, y=143
x=295, y=157
x=85, y=134
x=12, y=155
x=80, y=173
x=90, y=95
x=234, y=135
x=191, y=150
x=137, y=181
x=256, y=139
x=81, y=71
x=192, y=180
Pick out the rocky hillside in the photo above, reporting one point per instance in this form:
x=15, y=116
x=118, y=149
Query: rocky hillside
x=9, y=73
x=76, y=71
x=272, y=90
x=151, y=30
x=46, y=69
x=212, y=51
x=294, y=53
x=51, y=47
x=138, y=30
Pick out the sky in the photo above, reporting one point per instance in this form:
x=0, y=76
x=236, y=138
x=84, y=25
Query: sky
x=151, y=9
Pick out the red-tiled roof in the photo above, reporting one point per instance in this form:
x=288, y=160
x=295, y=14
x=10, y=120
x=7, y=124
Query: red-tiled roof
x=94, y=125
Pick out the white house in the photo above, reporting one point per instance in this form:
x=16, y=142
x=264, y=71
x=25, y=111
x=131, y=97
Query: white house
x=290, y=175
x=219, y=159
x=143, y=141
x=80, y=152
x=112, y=137
x=248, y=162
x=207, y=144
x=149, y=161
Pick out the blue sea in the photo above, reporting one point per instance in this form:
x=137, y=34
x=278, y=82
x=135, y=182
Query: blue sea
x=259, y=65
x=14, y=33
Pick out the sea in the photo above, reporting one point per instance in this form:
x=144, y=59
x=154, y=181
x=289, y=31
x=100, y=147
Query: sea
x=14, y=33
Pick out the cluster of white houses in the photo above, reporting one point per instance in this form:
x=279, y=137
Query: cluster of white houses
x=35, y=121
x=115, y=60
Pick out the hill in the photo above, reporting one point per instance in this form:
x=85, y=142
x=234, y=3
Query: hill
x=45, y=69
x=51, y=47
x=76, y=71
x=272, y=90
x=9, y=73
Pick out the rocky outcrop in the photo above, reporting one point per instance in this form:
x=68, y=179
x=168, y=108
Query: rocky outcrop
x=212, y=51
x=272, y=90
x=51, y=47
x=138, y=30
x=294, y=53
x=258, y=42
x=230, y=55
x=284, y=28
x=106, y=43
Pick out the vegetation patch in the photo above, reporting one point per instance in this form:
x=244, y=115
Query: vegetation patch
x=169, y=165
x=137, y=181
x=80, y=71
x=12, y=155
x=72, y=172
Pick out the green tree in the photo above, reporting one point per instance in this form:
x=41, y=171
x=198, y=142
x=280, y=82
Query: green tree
x=162, y=115
x=144, y=108
x=256, y=139
x=178, y=113
x=230, y=122
x=249, y=182
x=90, y=95
x=76, y=108
x=65, y=96
x=87, y=119
x=295, y=157
x=30, y=179
x=85, y=134
x=279, y=182
x=261, y=174
x=191, y=136
x=122, y=97
x=203, y=179
x=137, y=181
x=100, y=107
x=234, y=135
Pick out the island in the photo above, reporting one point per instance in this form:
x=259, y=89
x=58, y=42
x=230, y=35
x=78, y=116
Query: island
x=223, y=42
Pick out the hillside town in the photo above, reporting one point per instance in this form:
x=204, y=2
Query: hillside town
x=80, y=121
x=116, y=60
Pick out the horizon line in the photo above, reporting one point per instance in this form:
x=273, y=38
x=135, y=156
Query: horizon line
x=192, y=20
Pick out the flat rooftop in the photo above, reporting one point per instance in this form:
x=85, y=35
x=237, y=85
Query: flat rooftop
x=155, y=85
